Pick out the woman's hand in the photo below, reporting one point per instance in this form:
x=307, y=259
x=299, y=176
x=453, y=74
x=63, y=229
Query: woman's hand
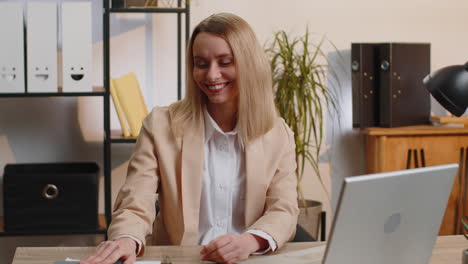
x=109, y=252
x=232, y=248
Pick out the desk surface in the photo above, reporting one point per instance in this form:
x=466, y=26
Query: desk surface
x=448, y=249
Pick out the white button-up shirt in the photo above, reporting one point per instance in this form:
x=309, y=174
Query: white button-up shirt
x=222, y=205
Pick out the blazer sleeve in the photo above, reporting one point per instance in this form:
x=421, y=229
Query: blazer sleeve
x=281, y=209
x=134, y=209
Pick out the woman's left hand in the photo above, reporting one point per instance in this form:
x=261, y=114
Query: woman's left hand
x=232, y=248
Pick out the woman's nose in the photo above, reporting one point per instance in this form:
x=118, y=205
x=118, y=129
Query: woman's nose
x=213, y=73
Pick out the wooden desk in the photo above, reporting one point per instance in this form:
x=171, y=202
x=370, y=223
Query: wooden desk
x=448, y=249
x=390, y=149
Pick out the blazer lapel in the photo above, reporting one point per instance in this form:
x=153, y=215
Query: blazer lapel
x=255, y=171
x=191, y=174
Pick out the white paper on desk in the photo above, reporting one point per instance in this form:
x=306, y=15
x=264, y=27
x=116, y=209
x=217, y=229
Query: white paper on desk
x=71, y=260
x=304, y=256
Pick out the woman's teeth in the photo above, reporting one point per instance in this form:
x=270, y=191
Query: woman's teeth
x=216, y=87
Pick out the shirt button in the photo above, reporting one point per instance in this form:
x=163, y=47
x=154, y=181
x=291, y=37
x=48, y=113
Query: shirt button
x=222, y=147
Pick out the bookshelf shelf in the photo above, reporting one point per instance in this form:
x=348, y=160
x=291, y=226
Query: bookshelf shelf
x=98, y=91
x=123, y=140
x=149, y=10
x=117, y=137
x=100, y=230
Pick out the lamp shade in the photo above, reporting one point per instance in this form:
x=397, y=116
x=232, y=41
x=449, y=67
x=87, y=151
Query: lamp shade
x=449, y=86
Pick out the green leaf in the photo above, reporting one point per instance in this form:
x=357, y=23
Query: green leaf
x=464, y=221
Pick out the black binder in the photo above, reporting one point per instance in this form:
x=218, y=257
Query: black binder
x=404, y=101
x=364, y=75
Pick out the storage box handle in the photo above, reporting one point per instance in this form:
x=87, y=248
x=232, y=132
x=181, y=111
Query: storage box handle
x=50, y=191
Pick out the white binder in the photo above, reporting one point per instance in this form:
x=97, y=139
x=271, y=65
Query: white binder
x=76, y=46
x=11, y=48
x=41, y=28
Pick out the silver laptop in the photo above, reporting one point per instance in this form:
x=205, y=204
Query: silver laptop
x=390, y=217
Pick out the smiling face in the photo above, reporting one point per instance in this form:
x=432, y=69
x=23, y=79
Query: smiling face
x=214, y=70
x=41, y=73
x=8, y=73
x=77, y=73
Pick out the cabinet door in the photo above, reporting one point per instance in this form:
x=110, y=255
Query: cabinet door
x=390, y=153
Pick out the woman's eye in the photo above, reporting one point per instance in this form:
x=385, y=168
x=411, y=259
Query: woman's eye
x=201, y=65
x=224, y=63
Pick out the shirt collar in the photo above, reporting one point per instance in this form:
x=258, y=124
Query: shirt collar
x=211, y=126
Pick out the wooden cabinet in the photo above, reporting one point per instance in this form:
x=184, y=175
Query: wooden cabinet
x=390, y=149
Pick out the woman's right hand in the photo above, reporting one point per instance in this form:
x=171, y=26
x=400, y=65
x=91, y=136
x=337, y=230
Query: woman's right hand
x=109, y=252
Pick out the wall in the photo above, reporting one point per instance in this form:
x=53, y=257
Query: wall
x=61, y=129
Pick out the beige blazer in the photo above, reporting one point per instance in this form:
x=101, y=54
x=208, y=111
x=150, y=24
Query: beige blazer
x=173, y=168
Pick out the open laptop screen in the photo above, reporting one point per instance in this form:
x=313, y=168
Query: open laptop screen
x=391, y=217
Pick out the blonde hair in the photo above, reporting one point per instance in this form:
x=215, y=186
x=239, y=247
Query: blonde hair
x=256, y=110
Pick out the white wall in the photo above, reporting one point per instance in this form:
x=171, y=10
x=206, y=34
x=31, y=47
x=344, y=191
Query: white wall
x=146, y=44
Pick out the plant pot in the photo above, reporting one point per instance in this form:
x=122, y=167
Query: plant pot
x=309, y=219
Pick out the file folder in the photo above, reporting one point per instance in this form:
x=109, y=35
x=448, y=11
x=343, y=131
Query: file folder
x=364, y=73
x=404, y=101
x=12, y=48
x=42, y=47
x=128, y=94
x=76, y=46
x=387, y=84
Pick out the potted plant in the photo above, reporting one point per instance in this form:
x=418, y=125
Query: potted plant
x=299, y=67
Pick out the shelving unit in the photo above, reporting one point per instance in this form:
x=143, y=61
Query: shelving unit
x=114, y=137
x=104, y=92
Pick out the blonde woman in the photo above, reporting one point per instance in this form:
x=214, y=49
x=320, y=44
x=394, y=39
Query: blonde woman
x=221, y=159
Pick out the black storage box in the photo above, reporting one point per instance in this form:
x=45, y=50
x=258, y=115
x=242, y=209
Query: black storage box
x=51, y=197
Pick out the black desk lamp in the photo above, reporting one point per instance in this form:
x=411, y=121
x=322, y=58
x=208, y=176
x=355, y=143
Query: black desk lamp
x=449, y=86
